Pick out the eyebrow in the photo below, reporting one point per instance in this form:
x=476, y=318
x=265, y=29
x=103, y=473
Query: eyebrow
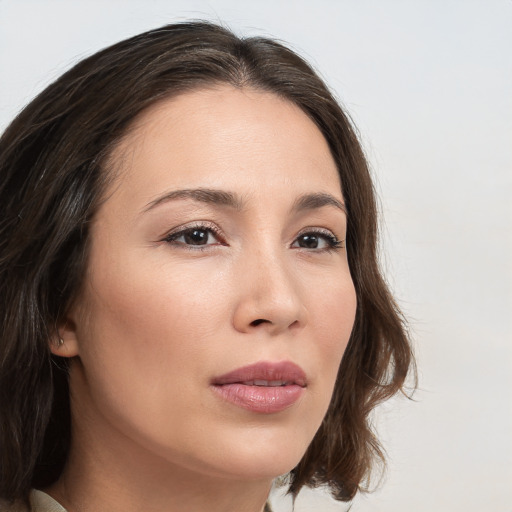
x=223, y=198
x=203, y=195
x=317, y=200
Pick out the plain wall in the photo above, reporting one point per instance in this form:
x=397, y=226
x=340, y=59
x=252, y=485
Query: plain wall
x=429, y=84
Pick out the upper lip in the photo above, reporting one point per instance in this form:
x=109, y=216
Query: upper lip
x=285, y=372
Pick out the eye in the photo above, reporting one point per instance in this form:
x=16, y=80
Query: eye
x=322, y=240
x=194, y=236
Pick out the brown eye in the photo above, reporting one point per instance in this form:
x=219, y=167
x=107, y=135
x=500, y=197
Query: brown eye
x=308, y=241
x=194, y=236
x=320, y=240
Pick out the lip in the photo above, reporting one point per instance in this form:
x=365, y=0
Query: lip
x=284, y=384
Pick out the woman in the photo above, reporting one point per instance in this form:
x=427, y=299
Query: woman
x=191, y=301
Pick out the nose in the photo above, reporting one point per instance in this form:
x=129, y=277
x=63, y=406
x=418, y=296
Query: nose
x=269, y=297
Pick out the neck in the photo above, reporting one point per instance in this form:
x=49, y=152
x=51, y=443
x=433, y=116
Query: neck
x=91, y=483
x=105, y=472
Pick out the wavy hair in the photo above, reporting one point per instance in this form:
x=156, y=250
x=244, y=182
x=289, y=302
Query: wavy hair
x=53, y=172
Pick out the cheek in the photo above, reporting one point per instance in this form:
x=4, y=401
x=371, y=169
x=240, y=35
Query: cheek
x=333, y=307
x=147, y=314
x=334, y=313
x=152, y=327
x=147, y=335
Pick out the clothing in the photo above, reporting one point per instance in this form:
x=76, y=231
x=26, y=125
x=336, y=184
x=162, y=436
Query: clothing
x=41, y=502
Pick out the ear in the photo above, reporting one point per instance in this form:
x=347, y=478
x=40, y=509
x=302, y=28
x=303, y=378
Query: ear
x=64, y=342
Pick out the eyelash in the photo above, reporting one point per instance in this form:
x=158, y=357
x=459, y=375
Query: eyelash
x=333, y=243
x=210, y=228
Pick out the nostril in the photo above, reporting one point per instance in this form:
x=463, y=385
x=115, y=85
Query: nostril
x=258, y=322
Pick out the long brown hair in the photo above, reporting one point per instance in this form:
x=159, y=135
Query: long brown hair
x=52, y=173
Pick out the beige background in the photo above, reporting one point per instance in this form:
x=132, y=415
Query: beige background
x=429, y=83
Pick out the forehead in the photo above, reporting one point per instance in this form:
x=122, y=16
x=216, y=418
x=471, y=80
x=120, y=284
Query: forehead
x=223, y=137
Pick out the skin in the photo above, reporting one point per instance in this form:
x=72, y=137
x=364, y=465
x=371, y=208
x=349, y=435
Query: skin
x=157, y=320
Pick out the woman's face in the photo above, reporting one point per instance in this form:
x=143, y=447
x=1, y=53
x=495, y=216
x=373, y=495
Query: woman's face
x=218, y=301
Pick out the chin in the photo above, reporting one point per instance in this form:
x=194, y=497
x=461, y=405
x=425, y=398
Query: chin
x=261, y=468
x=264, y=455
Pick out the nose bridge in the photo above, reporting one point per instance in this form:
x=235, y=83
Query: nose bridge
x=274, y=278
x=269, y=291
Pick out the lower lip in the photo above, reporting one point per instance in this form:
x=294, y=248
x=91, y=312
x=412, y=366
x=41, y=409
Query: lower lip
x=261, y=399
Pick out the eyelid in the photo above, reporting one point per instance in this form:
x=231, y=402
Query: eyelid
x=206, y=225
x=316, y=229
x=332, y=239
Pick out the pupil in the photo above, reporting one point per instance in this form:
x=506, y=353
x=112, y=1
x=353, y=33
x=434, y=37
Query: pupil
x=196, y=237
x=309, y=241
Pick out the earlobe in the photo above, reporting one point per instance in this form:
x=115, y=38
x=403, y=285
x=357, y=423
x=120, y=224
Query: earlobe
x=64, y=343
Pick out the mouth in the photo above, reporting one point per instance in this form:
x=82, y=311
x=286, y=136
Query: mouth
x=263, y=387
x=267, y=383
